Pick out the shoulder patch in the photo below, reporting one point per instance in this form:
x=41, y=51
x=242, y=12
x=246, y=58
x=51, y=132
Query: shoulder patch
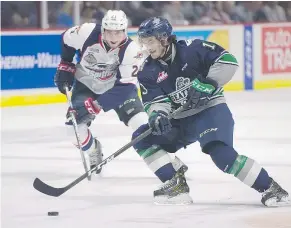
x=75, y=30
x=139, y=55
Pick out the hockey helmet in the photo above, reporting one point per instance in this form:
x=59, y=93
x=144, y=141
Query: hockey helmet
x=158, y=27
x=114, y=20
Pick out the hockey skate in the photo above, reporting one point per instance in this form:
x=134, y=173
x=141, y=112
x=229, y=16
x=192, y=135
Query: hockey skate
x=177, y=164
x=275, y=195
x=174, y=191
x=95, y=156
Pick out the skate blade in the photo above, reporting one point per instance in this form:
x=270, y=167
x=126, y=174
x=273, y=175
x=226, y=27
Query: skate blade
x=285, y=201
x=182, y=199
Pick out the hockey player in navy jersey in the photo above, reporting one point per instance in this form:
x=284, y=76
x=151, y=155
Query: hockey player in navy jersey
x=103, y=79
x=191, y=73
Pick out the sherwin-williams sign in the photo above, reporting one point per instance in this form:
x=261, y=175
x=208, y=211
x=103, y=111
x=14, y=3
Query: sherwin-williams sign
x=29, y=61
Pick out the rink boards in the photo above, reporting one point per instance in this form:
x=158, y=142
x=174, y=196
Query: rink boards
x=29, y=59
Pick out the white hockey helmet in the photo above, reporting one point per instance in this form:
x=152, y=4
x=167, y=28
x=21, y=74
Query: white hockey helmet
x=114, y=20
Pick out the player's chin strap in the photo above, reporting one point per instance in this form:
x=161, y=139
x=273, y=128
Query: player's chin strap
x=52, y=191
x=72, y=113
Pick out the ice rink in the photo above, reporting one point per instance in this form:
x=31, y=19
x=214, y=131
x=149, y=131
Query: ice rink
x=34, y=144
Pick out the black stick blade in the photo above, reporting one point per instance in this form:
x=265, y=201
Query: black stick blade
x=46, y=189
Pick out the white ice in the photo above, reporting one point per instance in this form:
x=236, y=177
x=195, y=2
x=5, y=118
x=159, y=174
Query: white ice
x=34, y=144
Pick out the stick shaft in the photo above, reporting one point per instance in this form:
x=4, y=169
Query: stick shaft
x=75, y=125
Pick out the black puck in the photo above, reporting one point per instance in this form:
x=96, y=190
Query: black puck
x=53, y=213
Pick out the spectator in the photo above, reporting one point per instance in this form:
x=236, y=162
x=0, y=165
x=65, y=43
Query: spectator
x=16, y=14
x=138, y=11
x=6, y=15
x=273, y=12
x=288, y=11
x=215, y=15
x=247, y=11
x=101, y=8
x=172, y=12
x=187, y=9
x=229, y=8
x=65, y=19
x=89, y=14
x=200, y=9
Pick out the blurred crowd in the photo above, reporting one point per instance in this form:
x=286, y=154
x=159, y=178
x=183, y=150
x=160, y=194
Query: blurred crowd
x=26, y=14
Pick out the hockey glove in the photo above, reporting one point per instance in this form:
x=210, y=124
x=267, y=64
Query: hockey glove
x=92, y=106
x=159, y=123
x=200, y=91
x=65, y=76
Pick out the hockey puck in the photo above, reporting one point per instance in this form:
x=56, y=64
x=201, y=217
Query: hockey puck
x=53, y=213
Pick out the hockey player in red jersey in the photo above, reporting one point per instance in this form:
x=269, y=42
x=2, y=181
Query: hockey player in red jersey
x=103, y=79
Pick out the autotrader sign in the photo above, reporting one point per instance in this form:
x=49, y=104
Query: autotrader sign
x=276, y=49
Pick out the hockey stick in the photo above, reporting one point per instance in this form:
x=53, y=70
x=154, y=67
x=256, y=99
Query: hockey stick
x=73, y=118
x=52, y=191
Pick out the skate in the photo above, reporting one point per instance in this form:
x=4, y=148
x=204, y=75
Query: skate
x=275, y=195
x=174, y=191
x=95, y=155
x=177, y=164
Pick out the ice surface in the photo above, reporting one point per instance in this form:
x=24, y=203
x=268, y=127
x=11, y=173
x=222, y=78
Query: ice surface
x=34, y=144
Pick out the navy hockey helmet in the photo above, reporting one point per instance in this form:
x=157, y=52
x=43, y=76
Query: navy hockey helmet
x=155, y=26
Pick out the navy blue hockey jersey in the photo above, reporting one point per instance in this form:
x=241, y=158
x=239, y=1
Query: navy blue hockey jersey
x=165, y=87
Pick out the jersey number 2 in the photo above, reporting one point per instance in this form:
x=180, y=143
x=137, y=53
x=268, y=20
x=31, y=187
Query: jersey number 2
x=134, y=72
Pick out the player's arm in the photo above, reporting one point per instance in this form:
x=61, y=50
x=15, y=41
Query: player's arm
x=156, y=103
x=217, y=67
x=125, y=86
x=72, y=40
x=153, y=98
x=218, y=63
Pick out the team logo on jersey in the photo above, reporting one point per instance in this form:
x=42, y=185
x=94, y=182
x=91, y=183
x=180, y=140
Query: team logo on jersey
x=103, y=71
x=99, y=66
x=162, y=76
x=182, y=86
x=138, y=56
x=93, y=49
x=90, y=59
x=76, y=29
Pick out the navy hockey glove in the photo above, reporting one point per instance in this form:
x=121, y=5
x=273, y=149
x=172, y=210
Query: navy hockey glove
x=159, y=123
x=200, y=91
x=65, y=76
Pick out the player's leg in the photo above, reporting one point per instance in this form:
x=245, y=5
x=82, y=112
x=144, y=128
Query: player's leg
x=215, y=127
x=154, y=151
x=90, y=145
x=132, y=113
